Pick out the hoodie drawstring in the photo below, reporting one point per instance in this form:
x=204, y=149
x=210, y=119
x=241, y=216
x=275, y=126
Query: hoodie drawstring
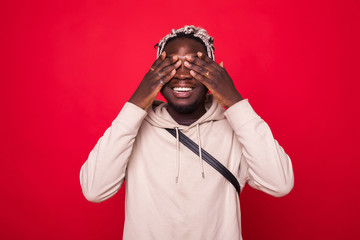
x=201, y=161
x=200, y=153
x=177, y=155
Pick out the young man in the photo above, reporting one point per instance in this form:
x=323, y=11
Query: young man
x=170, y=192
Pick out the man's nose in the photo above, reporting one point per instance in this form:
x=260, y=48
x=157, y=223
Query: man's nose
x=182, y=72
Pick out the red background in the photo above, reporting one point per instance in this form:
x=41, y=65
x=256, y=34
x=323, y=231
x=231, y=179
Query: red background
x=67, y=68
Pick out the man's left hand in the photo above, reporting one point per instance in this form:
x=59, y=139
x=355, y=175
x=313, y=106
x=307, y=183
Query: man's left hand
x=214, y=77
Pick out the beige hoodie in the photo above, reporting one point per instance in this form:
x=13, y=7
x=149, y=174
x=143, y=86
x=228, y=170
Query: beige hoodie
x=170, y=192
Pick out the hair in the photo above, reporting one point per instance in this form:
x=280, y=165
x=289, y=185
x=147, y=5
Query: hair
x=192, y=32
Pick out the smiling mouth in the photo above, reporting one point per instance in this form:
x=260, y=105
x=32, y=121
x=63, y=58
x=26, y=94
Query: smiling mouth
x=182, y=89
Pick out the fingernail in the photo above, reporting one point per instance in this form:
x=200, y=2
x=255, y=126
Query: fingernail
x=186, y=63
x=199, y=54
x=173, y=71
x=192, y=72
x=175, y=57
x=188, y=57
x=221, y=64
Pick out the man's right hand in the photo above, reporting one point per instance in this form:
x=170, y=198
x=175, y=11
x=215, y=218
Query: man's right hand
x=161, y=72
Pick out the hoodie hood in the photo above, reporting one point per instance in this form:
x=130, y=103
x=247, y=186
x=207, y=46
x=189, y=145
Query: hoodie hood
x=158, y=116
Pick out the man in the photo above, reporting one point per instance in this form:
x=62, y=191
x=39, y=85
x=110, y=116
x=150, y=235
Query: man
x=170, y=192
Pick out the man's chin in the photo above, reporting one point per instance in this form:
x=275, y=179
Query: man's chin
x=184, y=109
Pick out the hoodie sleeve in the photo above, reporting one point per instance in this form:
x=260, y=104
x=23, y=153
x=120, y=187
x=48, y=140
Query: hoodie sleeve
x=264, y=163
x=102, y=175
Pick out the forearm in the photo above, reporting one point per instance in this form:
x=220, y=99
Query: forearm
x=103, y=173
x=268, y=167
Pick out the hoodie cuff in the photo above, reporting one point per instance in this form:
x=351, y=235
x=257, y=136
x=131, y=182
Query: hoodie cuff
x=240, y=113
x=131, y=116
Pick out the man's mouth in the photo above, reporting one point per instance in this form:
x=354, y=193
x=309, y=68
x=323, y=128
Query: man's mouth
x=183, y=92
x=182, y=89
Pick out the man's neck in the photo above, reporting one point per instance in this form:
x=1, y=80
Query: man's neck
x=187, y=119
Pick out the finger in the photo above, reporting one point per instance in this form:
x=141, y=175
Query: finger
x=196, y=68
x=204, y=57
x=199, y=62
x=165, y=79
x=208, y=60
x=167, y=73
x=166, y=70
x=159, y=60
x=198, y=76
x=211, y=64
x=167, y=62
x=203, y=60
x=162, y=56
x=209, y=84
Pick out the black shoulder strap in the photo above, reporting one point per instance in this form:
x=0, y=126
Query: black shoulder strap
x=207, y=158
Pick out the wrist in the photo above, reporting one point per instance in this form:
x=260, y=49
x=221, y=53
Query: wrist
x=139, y=103
x=235, y=99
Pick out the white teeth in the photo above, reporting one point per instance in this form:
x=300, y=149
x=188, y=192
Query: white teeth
x=182, y=89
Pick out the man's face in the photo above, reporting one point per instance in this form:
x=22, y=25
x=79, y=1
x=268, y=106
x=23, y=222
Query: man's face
x=183, y=93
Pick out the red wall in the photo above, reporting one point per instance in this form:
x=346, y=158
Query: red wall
x=67, y=67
